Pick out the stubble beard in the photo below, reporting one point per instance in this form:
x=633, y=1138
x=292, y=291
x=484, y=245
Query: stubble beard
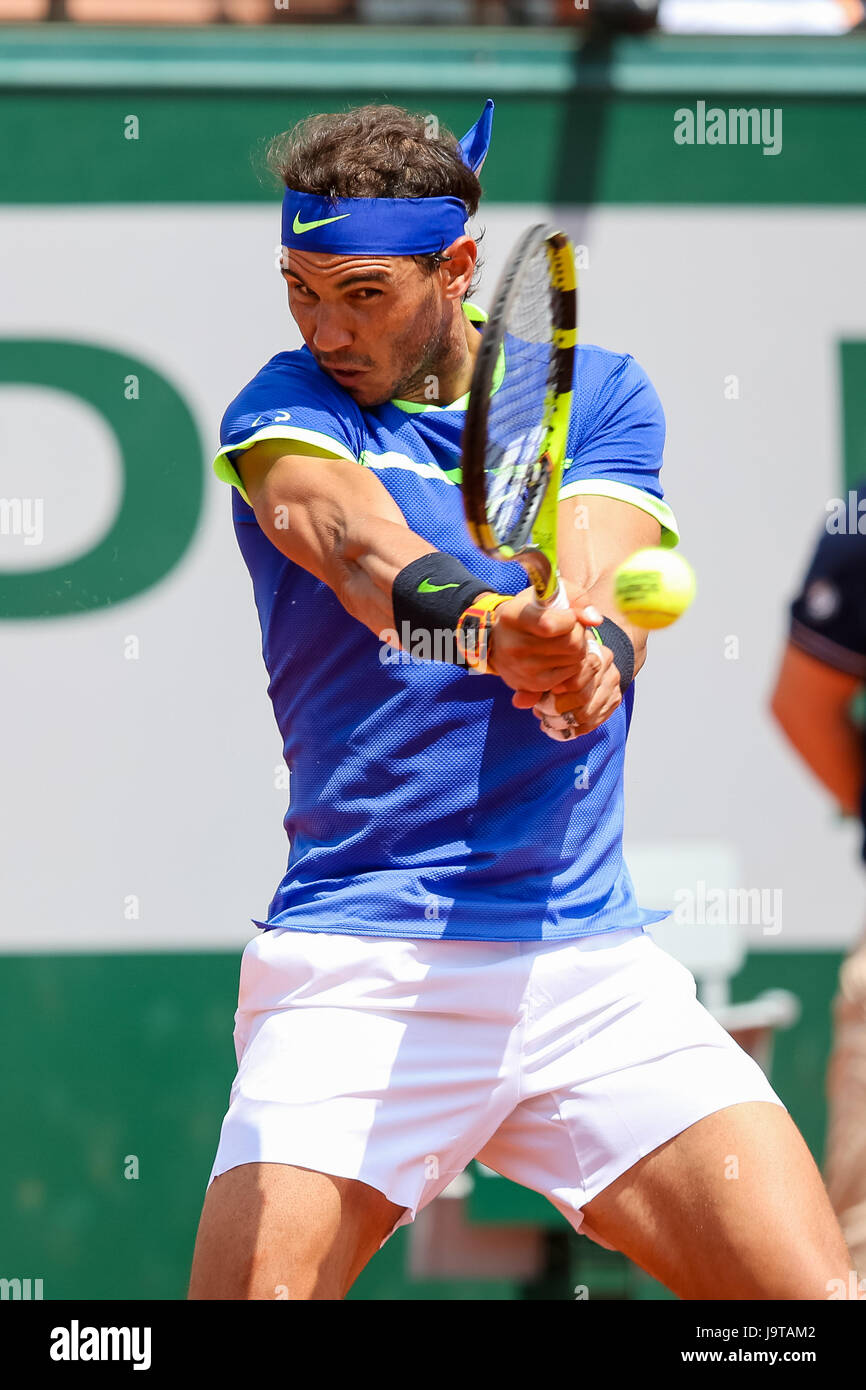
x=434, y=357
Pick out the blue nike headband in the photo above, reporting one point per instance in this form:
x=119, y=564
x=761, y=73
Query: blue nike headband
x=384, y=226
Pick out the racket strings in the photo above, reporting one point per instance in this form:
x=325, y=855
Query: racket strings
x=519, y=412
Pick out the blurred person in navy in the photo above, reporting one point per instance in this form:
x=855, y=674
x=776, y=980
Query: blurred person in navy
x=823, y=668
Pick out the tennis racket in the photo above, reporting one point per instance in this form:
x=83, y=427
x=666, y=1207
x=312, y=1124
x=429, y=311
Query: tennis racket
x=516, y=427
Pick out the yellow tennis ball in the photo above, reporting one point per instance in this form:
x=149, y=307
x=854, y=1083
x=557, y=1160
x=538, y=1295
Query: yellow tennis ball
x=654, y=586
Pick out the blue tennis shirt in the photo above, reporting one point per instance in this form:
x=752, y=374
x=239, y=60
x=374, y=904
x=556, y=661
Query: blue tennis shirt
x=422, y=803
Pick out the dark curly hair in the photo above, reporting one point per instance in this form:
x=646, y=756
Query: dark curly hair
x=375, y=152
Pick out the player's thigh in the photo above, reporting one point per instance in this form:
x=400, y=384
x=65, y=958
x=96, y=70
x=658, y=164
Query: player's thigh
x=273, y=1230
x=733, y=1207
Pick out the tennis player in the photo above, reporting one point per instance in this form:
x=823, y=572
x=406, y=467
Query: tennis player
x=455, y=965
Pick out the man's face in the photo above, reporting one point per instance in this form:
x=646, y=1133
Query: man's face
x=377, y=324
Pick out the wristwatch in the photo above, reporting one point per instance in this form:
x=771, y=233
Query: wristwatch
x=473, y=632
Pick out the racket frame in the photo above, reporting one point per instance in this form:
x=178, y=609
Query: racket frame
x=533, y=541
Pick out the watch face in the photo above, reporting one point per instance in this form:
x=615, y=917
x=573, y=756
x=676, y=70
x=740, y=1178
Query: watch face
x=473, y=637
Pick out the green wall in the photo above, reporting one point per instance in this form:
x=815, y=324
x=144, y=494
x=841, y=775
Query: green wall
x=579, y=123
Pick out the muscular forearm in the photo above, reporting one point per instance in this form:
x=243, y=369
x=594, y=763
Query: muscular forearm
x=338, y=522
x=364, y=564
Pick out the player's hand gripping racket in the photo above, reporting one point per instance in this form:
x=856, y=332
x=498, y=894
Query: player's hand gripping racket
x=516, y=427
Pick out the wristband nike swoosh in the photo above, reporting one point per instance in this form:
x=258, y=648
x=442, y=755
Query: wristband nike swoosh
x=425, y=587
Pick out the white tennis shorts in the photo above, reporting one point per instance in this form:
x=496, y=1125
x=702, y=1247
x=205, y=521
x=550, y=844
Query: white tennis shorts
x=398, y=1060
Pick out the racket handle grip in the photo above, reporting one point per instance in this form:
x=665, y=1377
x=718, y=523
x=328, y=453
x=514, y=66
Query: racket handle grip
x=553, y=723
x=558, y=599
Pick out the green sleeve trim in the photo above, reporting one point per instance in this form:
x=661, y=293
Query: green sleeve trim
x=636, y=496
x=227, y=473
x=474, y=312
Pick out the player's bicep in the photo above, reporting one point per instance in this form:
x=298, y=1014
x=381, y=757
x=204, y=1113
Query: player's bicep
x=595, y=535
x=254, y=464
x=318, y=510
